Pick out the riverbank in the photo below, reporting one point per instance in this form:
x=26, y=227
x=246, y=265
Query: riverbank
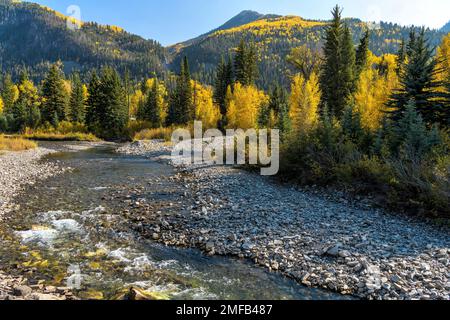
x=315, y=238
x=19, y=170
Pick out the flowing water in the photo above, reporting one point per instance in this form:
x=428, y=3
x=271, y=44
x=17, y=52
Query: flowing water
x=70, y=229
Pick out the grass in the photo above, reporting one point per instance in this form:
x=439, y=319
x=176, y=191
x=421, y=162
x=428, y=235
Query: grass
x=15, y=144
x=52, y=136
x=154, y=134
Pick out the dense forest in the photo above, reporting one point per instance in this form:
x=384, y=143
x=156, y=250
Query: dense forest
x=350, y=115
x=35, y=37
x=275, y=37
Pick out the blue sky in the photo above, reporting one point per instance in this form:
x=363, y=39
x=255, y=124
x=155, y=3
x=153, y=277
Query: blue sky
x=172, y=21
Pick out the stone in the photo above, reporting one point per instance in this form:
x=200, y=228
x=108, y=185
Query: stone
x=22, y=291
x=210, y=246
x=333, y=250
x=156, y=236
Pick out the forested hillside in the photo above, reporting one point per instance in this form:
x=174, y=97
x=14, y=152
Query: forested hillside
x=275, y=37
x=35, y=36
x=446, y=28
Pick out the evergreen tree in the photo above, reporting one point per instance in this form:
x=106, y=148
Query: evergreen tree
x=338, y=70
x=93, y=103
x=153, y=106
x=362, y=53
x=181, y=110
x=245, y=64
x=418, y=83
x=401, y=57
x=348, y=67
x=112, y=113
x=34, y=117
x=446, y=103
x=77, y=107
x=411, y=137
x=9, y=93
x=224, y=79
x=54, y=94
x=19, y=116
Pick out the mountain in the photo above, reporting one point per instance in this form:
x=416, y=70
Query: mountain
x=35, y=36
x=446, y=28
x=245, y=17
x=274, y=37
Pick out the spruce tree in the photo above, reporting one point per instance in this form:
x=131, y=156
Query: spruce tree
x=401, y=57
x=348, y=68
x=418, y=83
x=362, y=53
x=153, y=106
x=245, y=64
x=446, y=103
x=338, y=70
x=93, y=103
x=181, y=109
x=224, y=79
x=54, y=94
x=8, y=93
x=19, y=116
x=77, y=103
x=112, y=107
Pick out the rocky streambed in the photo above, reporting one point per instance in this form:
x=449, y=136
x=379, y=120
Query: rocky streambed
x=86, y=231
x=313, y=237
x=19, y=171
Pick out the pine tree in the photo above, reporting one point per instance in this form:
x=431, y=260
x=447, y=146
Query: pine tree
x=54, y=94
x=181, y=110
x=401, y=57
x=112, y=109
x=245, y=64
x=19, y=116
x=93, y=103
x=418, y=83
x=77, y=107
x=446, y=103
x=348, y=67
x=224, y=79
x=9, y=93
x=153, y=106
x=338, y=70
x=411, y=137
x=362, y=53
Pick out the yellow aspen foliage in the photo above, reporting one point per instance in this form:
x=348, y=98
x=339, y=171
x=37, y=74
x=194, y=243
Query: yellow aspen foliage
x=243, y=106
x=443, y=57
x=162, y=96
x=205, y=109
x=28, y=92
x=136, y=100
x=1, y=105
x=375, y=86
x=304, y=102
x=85, y=92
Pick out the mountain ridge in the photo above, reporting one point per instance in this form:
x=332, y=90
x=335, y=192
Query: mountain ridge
x=446, y=28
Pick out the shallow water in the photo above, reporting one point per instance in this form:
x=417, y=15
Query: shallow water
x=71, y=230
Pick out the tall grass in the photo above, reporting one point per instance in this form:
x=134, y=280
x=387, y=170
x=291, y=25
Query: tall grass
x=65, y=131
x=154, y=134
x=15, y=144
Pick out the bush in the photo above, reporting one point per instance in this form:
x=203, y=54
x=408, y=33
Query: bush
x=405, y=163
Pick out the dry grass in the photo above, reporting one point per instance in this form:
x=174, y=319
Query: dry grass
x=15, y=144
x=52, y=136
x=153, y=134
